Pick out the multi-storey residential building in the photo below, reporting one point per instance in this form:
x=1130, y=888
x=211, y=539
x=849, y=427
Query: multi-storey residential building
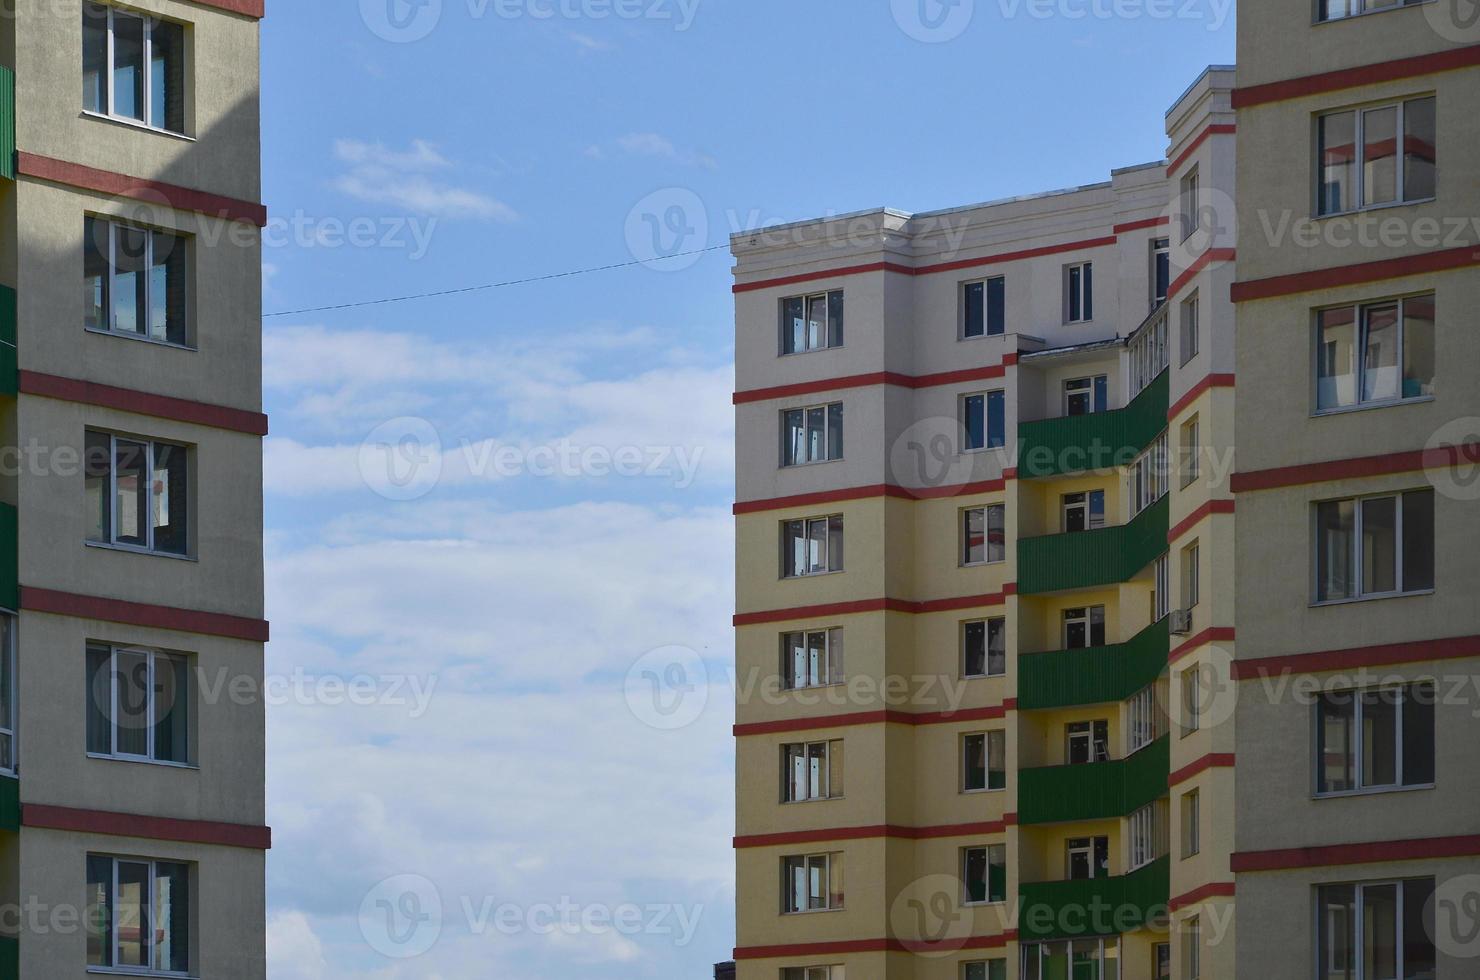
x=979, y=598
x=1356, y=556
x=131, y=721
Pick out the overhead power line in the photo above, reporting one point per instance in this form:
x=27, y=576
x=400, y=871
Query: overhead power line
x=489, y=285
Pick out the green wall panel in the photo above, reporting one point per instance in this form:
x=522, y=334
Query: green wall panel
x=1096, y=907
x=1099, y=441
x=1085, y=559
x=1094, y=791
x=1096, y=675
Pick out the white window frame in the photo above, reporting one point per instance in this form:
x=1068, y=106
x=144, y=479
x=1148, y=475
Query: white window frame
x=831, y=972
x=986, y=284
x=1085, y=386
x=826, y=295
x=1364, y=8
x=827, y=446
x=965, y=544
x=1359, y=756
x=114, y=228
x=1189, y=683
x=819, y=786
x=827, y=557
x=1160, y=247
x=1085, y=730
x=990, y=969
x=1161, y=595
x=1188, y=198
x=1148, y=480
x=153, y=658
x=964, y=407
x=148, y=72
x=1087, y=620
x=1043, y=949
x=9, y=713
x=965, y=858
x=1359, y=148
x=1191, y=575
x=1145, y=720
x=999, y=736
x=1191, y=437
x=149, y=505
x=1146, y=835
x=1084, y=294
x=788, y=883
x=986, y=625
x=1085, y=500
x=1147, y=348
x=1361, y=313
x=1323, y=931
x=1191, y=823
x=150, y=902
x=1357, y=569
x=1192, y=947
x=1190, y=333
x=833, y=667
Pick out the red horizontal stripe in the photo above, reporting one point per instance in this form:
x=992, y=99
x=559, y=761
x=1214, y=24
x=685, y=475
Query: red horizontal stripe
x=143, y=403
x=248, y=8
x=872, y=605
x=1199, y=140
x=1199, y=264
x=143, y=614
x=847, y=270
x=1213, y=760
x=150, y=828
x=1213, y=889
x=1441, y=260
x=1197, y=516
x=1332, y=81
x=1212, y=634
x=880, y=717
x=867, y=492
x=1196, y=391
x=1374, y=852
x=1347, y=469
x=1413, y=651
x=792, y=950
x=139, y=189
x=872, y=832
x=1144, y=223
x=984, y=373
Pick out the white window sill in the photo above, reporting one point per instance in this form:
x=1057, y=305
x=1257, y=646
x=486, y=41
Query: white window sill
x=1378, y=597
x=803, y=575
x=129, y=549
x=119, y=334
x=139, y=760
x=813, y=687
x=809, y=462
x=1373, y=791
x=979, y=792
x=982, y=905
x=814, y=350
x=1371, y=406
x=123, y=971
x=815, y=799
x=981, y=336
x=983, y=677
x=812, y=911
x=144, y=127
x=969, y=451
x=983, y=564
x=1386, y=206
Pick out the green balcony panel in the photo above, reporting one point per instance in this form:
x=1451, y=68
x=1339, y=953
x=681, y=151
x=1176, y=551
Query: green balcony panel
x=1098, y=441
x=7, y=123
x=1097, y=906
x=1096, y=790
x=1086, y=559
x=1097, y=675
x=9, y=366
x=10, y=804
x=10, y=958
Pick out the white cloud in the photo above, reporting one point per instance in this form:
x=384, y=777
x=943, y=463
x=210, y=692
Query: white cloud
x=588, y=43
x=293, y=951
x=653, y=146
x=407, y=179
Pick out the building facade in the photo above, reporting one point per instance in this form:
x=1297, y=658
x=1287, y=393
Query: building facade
x=983, y=546
x=132, y=813
x=1356, y=427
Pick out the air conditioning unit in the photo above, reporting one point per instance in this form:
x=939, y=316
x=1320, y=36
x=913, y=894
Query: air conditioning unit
x=1181, y=621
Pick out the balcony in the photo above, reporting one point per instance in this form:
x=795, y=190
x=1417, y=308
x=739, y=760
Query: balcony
x=1087, y=559
x=1097, y=906
x=1096, y=790
x=1099, y=441
x=1096, y=675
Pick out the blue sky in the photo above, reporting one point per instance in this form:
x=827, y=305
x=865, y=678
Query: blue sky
x=491, y=517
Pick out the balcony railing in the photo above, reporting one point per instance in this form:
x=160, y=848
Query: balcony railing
x=1085, y=559
x=1095, y=790
x=1095, y=675
x=1095, y=906
x=1098, y=441
x=7, y=123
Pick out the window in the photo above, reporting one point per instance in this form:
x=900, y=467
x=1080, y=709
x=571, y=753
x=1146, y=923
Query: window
x=1190, y=576
x=983, y=761
x=1085, y=396
x=1084, y=511
x=984, y=308
x=1145, y=719
x=137, y=493
x=138, y=704
x=984, y=874
x=1081, y=959
x=1191, y=823
x=984, y=648
x=133, y=281
x=1087, y=857
x=811, y=771
x=1375, y=739
x=1161, y=593
x=1148, y=835
x=1079, y=289
x=984, y=970
x=139, y=914
x=1088, y=741
x=1148, y=476
x=1161, y=270
x=1147, y=347
x=811, y=323
x=1337, y=9
x=1191, y=215
x=812, y=973
x=983, y=535
x=133, y=67
x=1161, y=961
x=1191, y=452
x=1363, y=162
x=1375, y=930
x=1192, y=948
x=1375, y=354
x=7, y=692
x=983, y=420
x=1375, y=546
x=812, y=659
x=812, y=435
x=1189, y=329
x=812, y=547
x=812, y=883
x=1191, y=681
x=1084, y=626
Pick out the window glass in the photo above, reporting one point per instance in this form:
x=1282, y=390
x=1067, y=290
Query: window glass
x=974, y=310
x=1379, y=545
x=167, y=288
x=996, y=306
x=1338, y=138
x=1418, y=927
x=835, y=318
x=1380, y=930
x=1418, y=735
x=131, y=911
x=94, y=57
x=1419, y=156
x=130, y=492
x=1336, y=746
x=816, y=322
x=95, y=250
x=1380, y=353
x=1335, y=377
x=1418, y=346
x=97, y=469
x=168, y=498
x=1380, y=156
x=1335, y=557
x=171, y=917
x=1379, y=734
x=1418, y=540
x=130, y=256
x=128, y=65
x=835, y=431
x=99, y=911
x=167, y=76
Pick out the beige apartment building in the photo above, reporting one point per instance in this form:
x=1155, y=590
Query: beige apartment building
x=985, y=550
x=1358, y=798
x=132, y=835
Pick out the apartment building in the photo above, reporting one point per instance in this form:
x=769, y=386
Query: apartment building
x=132, y=835
x=983, y=581
x=1356, y=559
